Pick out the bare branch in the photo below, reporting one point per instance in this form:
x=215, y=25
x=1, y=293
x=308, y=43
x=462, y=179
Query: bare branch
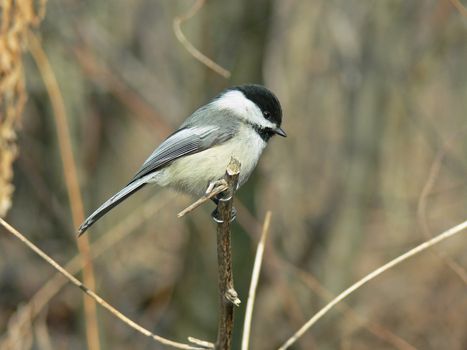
x=228, y=295
x=254, y=282
x=93, y=295
x=189, y=46
x=418, y=249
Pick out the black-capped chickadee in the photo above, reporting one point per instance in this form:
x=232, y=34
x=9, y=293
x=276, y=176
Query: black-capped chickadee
x=237, y=123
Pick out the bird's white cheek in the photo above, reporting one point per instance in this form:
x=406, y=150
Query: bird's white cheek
x=243, y=108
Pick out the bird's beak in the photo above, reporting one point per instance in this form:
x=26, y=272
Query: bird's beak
x=280, y=132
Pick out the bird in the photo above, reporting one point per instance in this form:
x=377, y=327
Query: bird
x=237, y=123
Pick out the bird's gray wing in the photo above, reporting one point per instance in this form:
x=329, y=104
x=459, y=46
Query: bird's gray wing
x=185, y=141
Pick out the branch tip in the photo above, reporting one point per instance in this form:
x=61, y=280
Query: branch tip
x=232, y=296
x=203, y=343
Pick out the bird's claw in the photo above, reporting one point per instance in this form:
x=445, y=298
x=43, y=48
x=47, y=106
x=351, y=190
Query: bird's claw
x=213, y=184
x=215, y=216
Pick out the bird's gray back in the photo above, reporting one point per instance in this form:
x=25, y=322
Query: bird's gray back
x=202, y=130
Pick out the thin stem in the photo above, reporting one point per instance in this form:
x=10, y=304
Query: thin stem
x=202, y=200
x=177, y=23
x=71, y=180
x=254, y=282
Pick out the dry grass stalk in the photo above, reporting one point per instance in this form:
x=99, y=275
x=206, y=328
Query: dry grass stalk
x=16, y=18
x=92, y=294
x=254, y=282
x=202, y=343
x=71, y=180
x=401, y=258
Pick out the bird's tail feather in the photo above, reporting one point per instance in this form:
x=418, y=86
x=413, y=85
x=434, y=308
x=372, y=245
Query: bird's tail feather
x=112, y=202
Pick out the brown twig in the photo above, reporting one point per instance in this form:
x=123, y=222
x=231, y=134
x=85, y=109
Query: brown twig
x=254, y=282
x=401, y=258
x=71, y=180
x=215, y=191
x=228, y=295
x=92, y=294
x=461, y=8
x=189, y=46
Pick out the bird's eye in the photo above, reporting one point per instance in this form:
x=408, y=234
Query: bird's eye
x=267, y=114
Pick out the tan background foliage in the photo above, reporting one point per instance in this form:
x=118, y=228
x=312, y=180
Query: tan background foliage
x=374, y=95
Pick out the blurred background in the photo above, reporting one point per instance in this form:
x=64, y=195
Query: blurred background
x=374, y=95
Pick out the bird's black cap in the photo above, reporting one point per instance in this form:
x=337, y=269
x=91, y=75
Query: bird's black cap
x=264, y=99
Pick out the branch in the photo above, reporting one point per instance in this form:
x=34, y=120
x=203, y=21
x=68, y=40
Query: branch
x=254, y=282
x=414, y=251
x=189, y=46
x=228, y=295
x=93, y=295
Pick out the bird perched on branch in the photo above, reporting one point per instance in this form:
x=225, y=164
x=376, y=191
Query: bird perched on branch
x=237, y=123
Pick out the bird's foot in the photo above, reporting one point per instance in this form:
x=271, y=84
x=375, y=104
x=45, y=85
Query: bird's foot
x=217, y=219
x=214, y=184
x=220, y=197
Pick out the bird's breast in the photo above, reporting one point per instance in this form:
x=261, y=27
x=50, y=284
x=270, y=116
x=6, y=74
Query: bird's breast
x=194, y=172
